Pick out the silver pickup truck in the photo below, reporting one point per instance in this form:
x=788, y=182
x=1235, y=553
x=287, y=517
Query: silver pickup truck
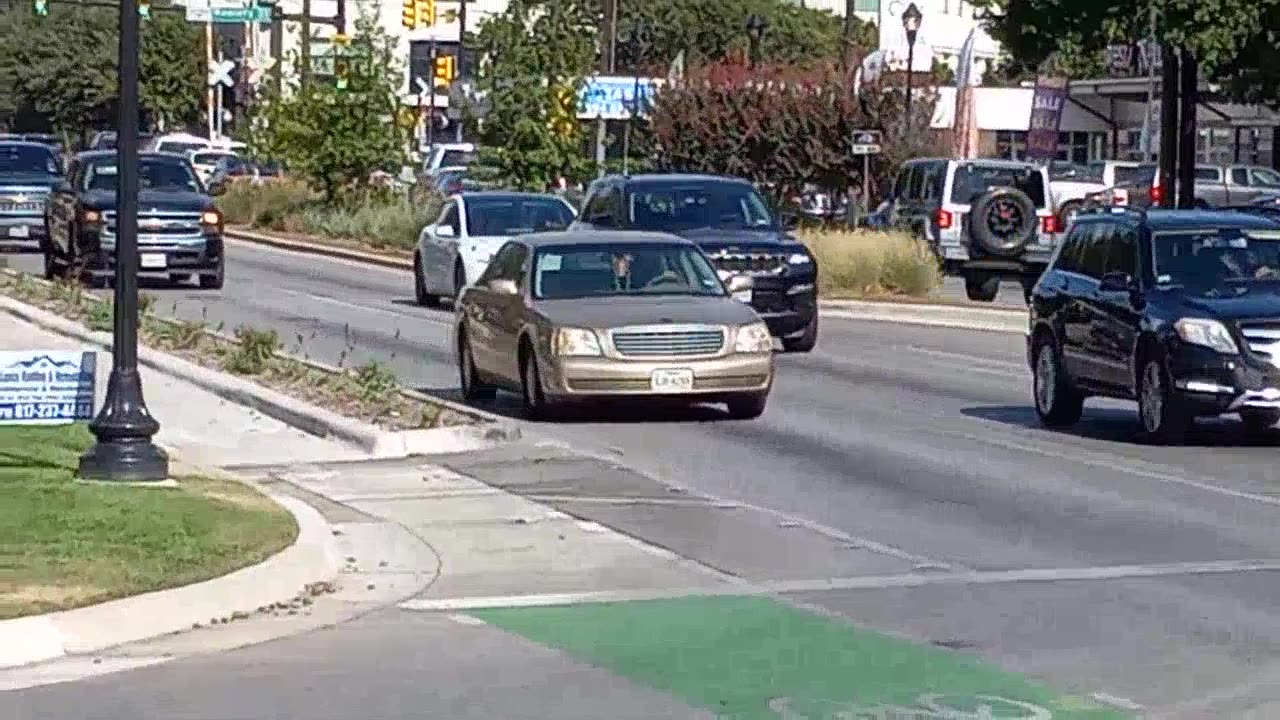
x=1235, y=184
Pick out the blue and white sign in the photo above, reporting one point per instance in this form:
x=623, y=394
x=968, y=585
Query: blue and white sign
x=47, y=387
x=613, y=97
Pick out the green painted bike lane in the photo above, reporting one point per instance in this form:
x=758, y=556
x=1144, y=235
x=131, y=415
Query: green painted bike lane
x=754, y=658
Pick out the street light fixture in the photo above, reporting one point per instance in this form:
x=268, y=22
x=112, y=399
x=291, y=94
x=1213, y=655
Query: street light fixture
x=124, y=450
x=756, y=26
x=911, y=18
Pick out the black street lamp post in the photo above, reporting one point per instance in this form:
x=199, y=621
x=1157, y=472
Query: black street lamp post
x=911, y=18
x=756, y=26
x=124, y=450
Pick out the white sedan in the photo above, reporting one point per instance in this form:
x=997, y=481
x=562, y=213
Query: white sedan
x=454, y=251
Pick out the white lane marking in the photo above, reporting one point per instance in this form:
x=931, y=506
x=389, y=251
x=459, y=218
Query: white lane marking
x=466, y=619
x=355, y=306
x=72, y=669
x=1020, y=367
x=362, y=266
x=845, y=363
x=1116, y=702
x=869, y=582
x=1112, y=465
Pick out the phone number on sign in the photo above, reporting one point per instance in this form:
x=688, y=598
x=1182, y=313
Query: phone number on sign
x=46, y=411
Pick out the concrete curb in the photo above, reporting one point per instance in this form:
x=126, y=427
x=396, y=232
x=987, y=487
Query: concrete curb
x=312, y=558
x=309, y=418
x=913, y=313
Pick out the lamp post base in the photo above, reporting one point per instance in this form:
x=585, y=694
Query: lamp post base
x=124, y=450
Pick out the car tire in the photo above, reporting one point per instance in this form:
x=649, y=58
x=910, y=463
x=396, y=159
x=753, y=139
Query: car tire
x=1058, y=403
x=420, y=294
x=1163, y=415
x=533, y=399
x=215, y=280
x=990, y=207
x=982, y=288
x=473, y=388
x=747, y=407
x=804, y=342
x=1260, y=421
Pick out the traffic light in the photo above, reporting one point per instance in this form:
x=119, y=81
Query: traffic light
x=444, y=70
x=144, y=9
x=41, y=8
x=341, y=72
x=563, y=110
x=408, y=13
x=427, y=12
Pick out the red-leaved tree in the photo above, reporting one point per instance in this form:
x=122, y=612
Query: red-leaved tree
x=785, y=128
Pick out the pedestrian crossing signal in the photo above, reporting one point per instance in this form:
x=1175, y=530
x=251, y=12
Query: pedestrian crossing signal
x=41, y=8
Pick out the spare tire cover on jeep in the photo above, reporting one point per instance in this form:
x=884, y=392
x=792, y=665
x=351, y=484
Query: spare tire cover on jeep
x=1002, y=221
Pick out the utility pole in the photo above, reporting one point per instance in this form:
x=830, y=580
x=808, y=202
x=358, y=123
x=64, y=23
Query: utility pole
x=608, y=58
x=277, y=47
x=1149, y=52
x=208, y=61
x=850, y=7
x=305, y=70
x=460, y=64
x=1189, y=93
x=1168, y=124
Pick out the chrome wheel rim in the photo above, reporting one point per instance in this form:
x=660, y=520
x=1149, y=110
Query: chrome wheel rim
x=1152, y=397
x=1046, y=379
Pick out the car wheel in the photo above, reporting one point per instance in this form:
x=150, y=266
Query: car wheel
x=1260, y=421
x=473, y=388
x=215, y=280
x=804, y=342
x=982, y=288
x=420, y=294
x=1160, y=408
x=1058, y=403
x=747, y=407
x=534, y=399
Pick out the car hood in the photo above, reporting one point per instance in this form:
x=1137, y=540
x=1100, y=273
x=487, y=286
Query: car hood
x=27, y=181
x=716, y=240
x=617, y=311
x=149, y=200
x=1262, y=301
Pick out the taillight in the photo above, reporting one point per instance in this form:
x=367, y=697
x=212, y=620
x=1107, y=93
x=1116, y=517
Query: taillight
x=1049, y=225
x=1157, y=194
x=943, y=219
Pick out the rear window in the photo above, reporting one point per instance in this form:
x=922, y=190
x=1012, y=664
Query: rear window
x=1070, y=172
x=973, y=179
x=1139, y=174
x=457, y=158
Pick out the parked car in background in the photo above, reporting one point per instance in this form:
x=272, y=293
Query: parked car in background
x=448, y=155
x=179, y=228
x=449, y=180
x=985, y=219
x=106, y=140
x=1176, y=309
x=28, y=173
x=1218, y=186
x=206, y=161
x=571, y=317
x=455, y=250
x=734, y=225
x=1071, y=184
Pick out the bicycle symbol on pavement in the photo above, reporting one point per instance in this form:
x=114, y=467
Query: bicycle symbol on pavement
x=929, y=706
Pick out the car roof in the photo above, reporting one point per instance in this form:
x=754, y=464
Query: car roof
x=602, y=237
x=503, y=195
x=24, y=143
x=96, y=154
x=680, y=177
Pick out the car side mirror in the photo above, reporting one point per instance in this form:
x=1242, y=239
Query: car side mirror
x=503, y=286
x=444, y=231
x=1117, y=282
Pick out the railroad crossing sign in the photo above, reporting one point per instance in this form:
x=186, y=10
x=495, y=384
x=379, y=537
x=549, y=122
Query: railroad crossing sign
x=866, y=142
x=220, y=74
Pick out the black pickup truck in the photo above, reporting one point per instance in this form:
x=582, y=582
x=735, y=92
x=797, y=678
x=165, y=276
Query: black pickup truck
x=733, y=224
x=28, y=171
x=179, y=228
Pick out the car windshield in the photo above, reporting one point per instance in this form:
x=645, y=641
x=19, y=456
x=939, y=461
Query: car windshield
x=709, y=205
x=1216, y=261
x=210, y=158
x=457, y=157
x=154, y=173
x=516, y=216
x=1266, y=176
x=576, y=271
x=973, y=179
x=1070, y=172
x=23, y=159
x=179, y=148
x=1135, y=174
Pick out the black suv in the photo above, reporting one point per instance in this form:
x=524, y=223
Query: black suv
x=28, y=172
x=734, y=226
x=1177, y=309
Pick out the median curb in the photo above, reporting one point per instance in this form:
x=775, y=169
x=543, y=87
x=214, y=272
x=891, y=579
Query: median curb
x=912, y=313
x=307, y=417
x=311, y=560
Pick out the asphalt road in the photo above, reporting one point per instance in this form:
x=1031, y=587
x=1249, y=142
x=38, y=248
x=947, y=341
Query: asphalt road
x=918, y=438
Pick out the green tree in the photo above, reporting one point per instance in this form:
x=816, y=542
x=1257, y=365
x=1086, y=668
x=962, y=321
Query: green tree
x=533, y=54
x=1234, y=40
x=337, y=138
x=172, y=71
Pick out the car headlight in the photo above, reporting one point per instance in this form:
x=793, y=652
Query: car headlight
x=575, y=341
x=1207, y=333
x=800, y=259
x=753, y=338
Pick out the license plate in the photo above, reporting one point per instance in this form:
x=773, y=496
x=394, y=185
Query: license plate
x=954, y=253
x=153, y=260
x=19, y=231
x=671, y=380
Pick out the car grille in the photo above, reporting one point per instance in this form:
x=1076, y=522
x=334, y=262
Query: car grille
x=770, y=301
x=161, y=223
x=23, y=208
x=652, y=343
x=1263, y=338
x=752, y=263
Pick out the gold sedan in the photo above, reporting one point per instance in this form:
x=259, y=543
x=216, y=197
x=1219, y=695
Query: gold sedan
x=575, y=316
